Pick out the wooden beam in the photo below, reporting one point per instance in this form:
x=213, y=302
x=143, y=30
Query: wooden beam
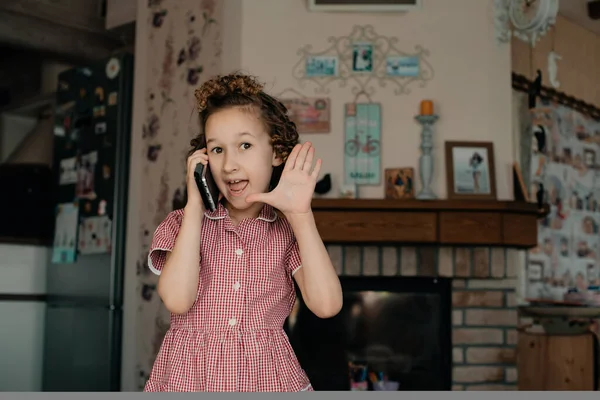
x=509, y=224
x=67, y=43
x=84, y=15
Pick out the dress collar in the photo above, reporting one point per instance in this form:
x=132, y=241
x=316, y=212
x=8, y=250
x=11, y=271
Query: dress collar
x=267, y=213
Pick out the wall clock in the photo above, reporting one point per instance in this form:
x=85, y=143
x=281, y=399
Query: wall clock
x=531, y=19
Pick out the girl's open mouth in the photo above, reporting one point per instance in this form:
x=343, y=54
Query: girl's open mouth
x=237, y=187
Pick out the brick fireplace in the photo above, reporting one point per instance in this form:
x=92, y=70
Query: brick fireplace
x=476, y=243
x=484, y=310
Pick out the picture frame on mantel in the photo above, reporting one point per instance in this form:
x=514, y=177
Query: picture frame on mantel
x=364, y=5
x=470, y=171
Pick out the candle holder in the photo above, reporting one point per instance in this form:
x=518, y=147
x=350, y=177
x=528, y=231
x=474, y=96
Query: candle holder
x=426, y=159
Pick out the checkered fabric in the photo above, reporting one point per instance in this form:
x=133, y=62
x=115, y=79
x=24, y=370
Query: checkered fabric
x=232, y=339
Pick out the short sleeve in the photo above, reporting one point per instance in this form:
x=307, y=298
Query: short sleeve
x=163, y=241
x=292, y=258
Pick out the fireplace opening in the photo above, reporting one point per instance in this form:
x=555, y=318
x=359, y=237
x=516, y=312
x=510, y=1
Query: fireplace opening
x=393, y=327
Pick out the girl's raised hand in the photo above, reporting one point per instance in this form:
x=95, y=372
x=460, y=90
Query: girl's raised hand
x=293, y=194
x=193, y=194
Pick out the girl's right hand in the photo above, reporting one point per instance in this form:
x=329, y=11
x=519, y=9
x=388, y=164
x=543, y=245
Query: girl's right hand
x=198, y=157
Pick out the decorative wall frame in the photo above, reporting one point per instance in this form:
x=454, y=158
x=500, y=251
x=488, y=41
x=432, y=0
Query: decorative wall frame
x=343, y=49
x=362, y=142
x=310, y=114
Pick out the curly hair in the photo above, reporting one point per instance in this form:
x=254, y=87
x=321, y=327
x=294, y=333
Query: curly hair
x=244, y=91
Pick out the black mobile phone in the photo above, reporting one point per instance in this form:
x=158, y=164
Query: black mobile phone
x=207, y=186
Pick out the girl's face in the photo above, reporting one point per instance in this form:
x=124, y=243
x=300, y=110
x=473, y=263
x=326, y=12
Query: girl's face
x=240, y=156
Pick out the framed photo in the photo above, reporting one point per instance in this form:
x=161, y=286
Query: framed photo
x=310, y=114
x=535, y=271
x=362, y=143
x=402, y=66
x=589, y=158
x=470, y=172
x=321, y=66
x=399, y=183
x=362, y=57
x=364, y=5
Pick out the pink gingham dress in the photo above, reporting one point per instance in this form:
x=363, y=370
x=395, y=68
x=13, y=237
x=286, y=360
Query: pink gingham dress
x=232, y=339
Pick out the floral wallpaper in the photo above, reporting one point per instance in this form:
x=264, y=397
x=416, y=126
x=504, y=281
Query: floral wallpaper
x=184, y=48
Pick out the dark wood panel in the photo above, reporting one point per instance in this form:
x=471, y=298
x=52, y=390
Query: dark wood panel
x=434, y=205
x=438, y=222
x=519, y=230
x=371, y=227
x=470, y=228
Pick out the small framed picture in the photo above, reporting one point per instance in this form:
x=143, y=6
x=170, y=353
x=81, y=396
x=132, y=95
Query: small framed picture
x=399, y=183
x=589, y=158
x=535, y=271
x=362, y=57
x=321, y=66
x=310, y=114
x=402, y=66
x=470, y=172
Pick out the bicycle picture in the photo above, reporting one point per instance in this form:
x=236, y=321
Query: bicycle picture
x=354, y=146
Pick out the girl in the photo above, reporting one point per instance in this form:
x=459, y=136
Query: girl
x=226, y=276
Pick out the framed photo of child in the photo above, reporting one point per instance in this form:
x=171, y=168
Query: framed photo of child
x=362, y=57
x=470, y=172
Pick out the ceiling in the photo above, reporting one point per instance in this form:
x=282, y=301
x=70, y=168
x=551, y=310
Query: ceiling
x=576, y=11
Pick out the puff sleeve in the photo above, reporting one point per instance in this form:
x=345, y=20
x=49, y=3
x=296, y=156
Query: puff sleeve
x=164, y=241
x=293, y=261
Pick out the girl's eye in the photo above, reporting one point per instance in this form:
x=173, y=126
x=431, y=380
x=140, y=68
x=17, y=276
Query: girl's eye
x=216, y=150
x=246, y=146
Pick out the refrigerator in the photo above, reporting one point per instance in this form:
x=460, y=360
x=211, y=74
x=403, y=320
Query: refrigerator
x=83, y=324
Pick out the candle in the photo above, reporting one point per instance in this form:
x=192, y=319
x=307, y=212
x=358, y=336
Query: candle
x=426, y=107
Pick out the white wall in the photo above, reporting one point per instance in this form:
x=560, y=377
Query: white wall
x=23, y=271
x=471, y=88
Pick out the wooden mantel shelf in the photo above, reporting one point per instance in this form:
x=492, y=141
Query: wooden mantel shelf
x=435, y=222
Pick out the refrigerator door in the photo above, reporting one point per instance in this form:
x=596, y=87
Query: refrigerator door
x=81, y=351
x=82, y=348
